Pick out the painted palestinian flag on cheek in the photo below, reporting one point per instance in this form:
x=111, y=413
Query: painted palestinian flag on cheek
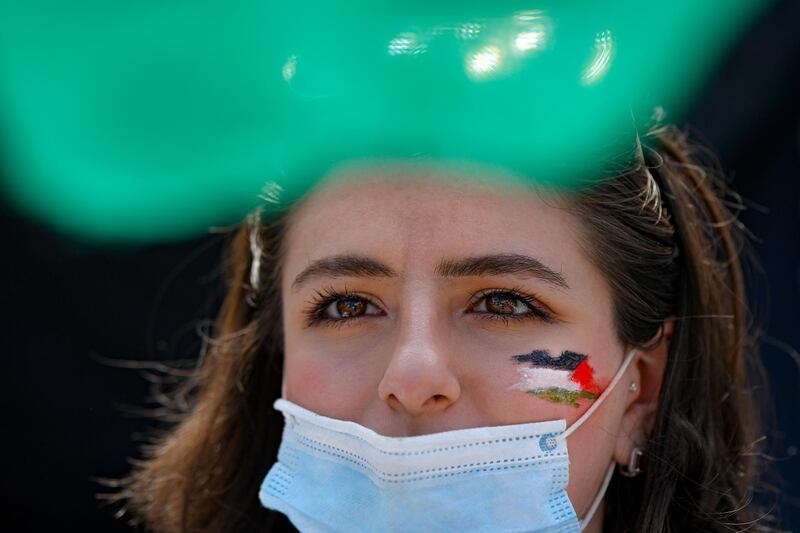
x=563, y=379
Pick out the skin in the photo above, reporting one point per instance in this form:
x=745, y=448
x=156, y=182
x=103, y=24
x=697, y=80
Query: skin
x=425, y=356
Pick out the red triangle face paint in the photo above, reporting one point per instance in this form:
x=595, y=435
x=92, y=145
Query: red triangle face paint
x=564, y=379
x=583, y=375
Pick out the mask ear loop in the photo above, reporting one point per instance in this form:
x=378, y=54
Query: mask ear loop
x=610, y=471
x=618, y=376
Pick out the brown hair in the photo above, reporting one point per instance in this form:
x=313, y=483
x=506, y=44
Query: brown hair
x=669, y=243
x=670, y=246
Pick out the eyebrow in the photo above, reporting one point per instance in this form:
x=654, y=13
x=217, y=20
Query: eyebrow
x=501, y=264
x=483, y=265
x=344, y=265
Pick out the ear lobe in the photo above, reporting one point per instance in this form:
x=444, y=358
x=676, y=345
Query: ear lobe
x=639, y=416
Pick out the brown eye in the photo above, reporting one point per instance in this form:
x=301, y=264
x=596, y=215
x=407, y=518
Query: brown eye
x=508, y=305
x=349, y=307
x=504, y=304
x=335, y=308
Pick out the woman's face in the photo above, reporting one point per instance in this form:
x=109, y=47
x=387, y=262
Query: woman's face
x=415, y=306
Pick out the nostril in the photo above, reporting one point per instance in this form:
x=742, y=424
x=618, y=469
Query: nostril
x=394, y=402
x=436, y=400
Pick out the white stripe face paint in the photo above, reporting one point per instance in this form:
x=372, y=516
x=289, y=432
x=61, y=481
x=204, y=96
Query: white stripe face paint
x=531, y=379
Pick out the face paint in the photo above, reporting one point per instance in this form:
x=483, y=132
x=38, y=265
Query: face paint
x=564, y=379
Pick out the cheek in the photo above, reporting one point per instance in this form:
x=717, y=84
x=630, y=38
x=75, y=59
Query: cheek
x=329, y=384
x=307, y=382
x=588, y=459
x=311, y=375
x=591, y=451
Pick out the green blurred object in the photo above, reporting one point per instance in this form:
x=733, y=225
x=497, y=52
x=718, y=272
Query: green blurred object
x=142, y=121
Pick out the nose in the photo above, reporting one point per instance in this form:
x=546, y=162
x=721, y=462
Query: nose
x=420, y=378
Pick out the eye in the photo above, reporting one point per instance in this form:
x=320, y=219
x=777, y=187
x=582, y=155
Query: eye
x=348, y=307
x=506, y=305
x=335, y=308
x=503, y=303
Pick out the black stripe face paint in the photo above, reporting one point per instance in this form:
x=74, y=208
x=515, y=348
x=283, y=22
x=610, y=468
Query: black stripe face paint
x=566, y=361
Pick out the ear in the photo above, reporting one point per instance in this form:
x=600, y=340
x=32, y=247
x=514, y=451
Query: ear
x=642, y=404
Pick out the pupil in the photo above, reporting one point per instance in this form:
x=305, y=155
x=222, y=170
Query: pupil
x=500, y=304
x=349, y=307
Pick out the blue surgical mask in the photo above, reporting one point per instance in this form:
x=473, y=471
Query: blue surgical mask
x=336, y=475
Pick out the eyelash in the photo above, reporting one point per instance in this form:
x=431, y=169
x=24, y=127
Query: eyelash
x=314, y=312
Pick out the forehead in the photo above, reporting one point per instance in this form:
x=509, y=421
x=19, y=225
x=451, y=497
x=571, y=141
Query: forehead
x=413, y=222
x=390, y=211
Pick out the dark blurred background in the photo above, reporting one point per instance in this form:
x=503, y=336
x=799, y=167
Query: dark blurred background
x=65, y=304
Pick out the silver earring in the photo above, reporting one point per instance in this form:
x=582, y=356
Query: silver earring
x=632, y=469
x=633, y=388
